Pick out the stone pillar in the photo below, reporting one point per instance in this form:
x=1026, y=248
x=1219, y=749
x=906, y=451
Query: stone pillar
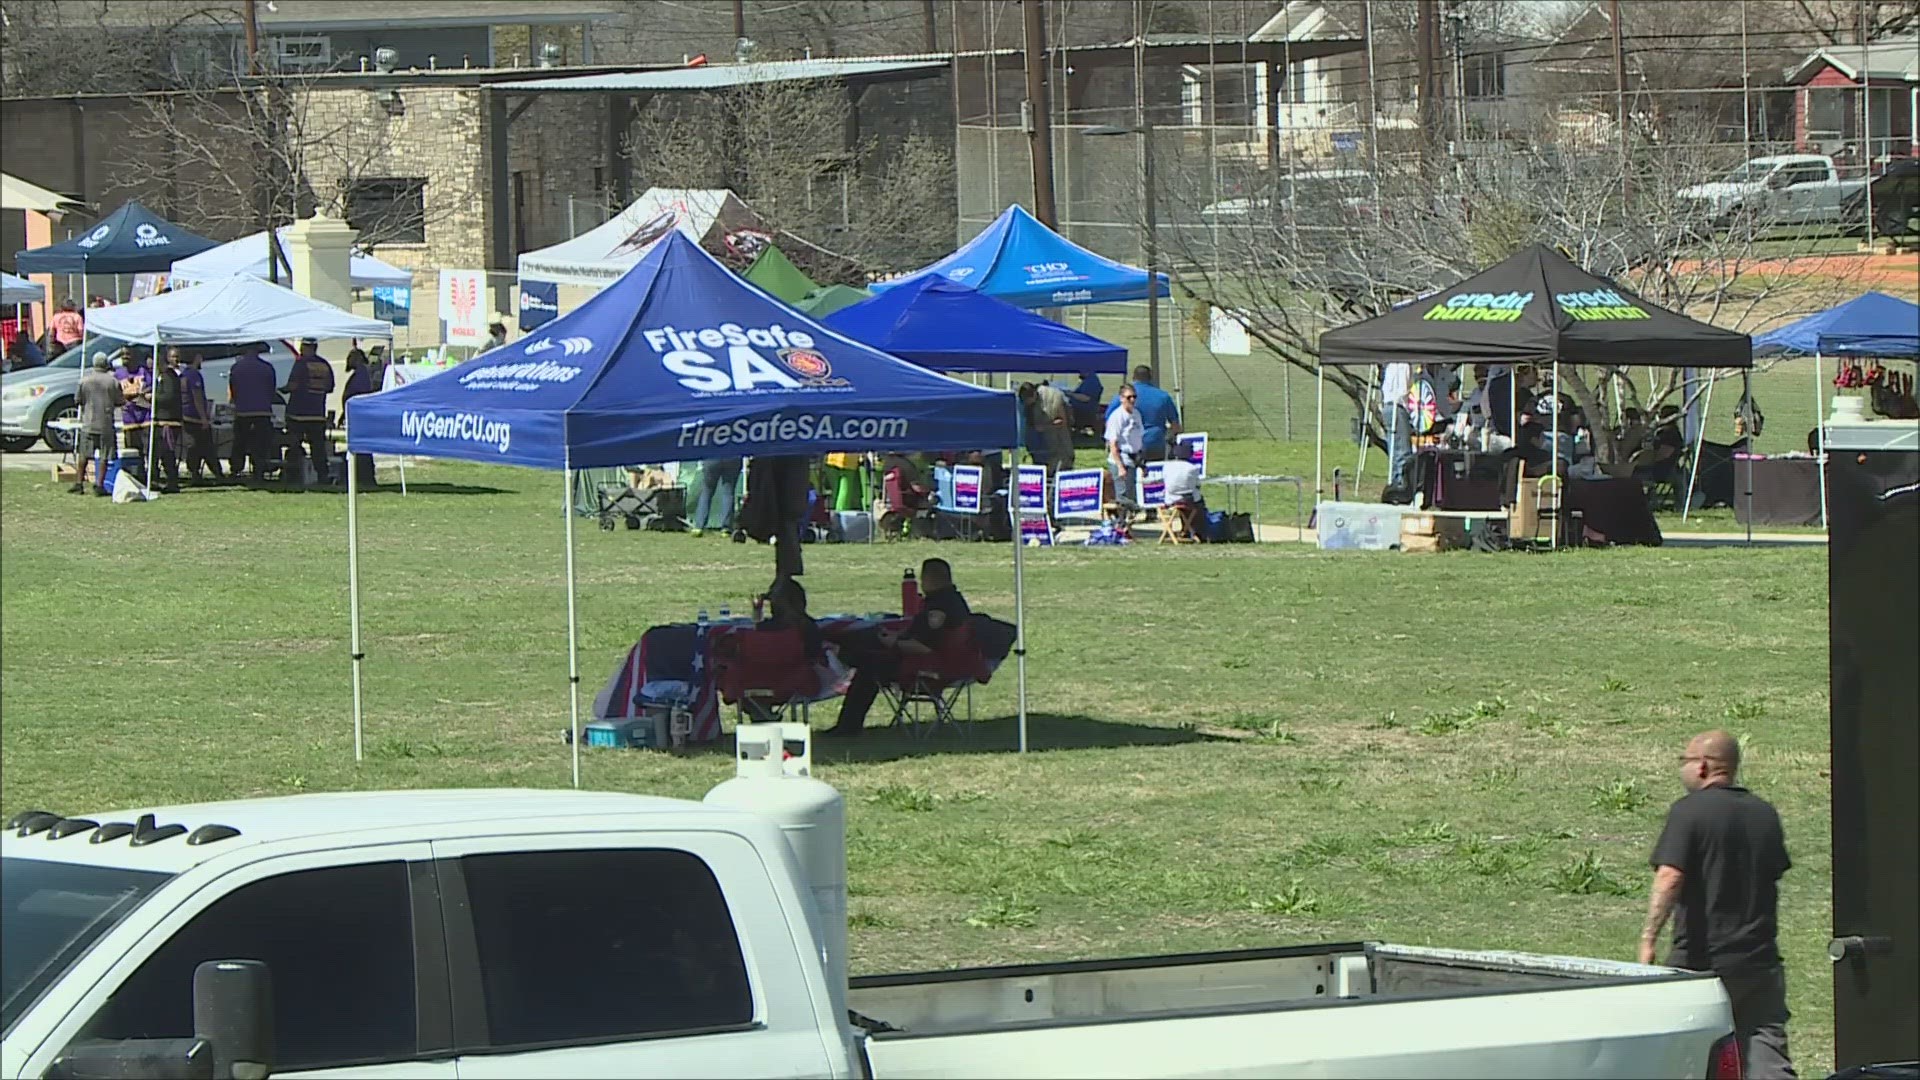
x=318, y=249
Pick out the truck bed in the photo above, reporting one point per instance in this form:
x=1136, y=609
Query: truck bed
x=1355, y=1009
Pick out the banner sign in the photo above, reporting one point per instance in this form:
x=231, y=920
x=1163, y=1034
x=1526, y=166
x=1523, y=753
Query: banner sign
x=462, y=306
x=1198, y=440
x=966, y=489
x=1033, y=489
x=145, y=285
x=539, y=303
x=393, y=304
x=1036, y=530
x=402, y=374
x=1153, y=484
x=1076, y=493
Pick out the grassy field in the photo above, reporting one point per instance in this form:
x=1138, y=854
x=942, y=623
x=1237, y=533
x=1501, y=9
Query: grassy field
x=1235, y=746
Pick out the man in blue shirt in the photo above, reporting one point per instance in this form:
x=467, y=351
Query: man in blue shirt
x=1086, y=402
x=307, y=389
x=251, y=386
x=1158, y=414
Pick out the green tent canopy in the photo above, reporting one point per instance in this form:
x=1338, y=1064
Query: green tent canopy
x=828, y=299
x=776, y=274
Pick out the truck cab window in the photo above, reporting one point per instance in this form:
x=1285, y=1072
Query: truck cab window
x=582, y=946
x=339, y=943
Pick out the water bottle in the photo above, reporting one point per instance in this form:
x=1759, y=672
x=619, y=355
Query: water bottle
x=725, y=613
x=909, y=594
x=700, y=620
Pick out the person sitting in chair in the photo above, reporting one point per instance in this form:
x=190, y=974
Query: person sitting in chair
x=1182, y=475
x=875, y=654
x=1657, y=459
x=787, y=612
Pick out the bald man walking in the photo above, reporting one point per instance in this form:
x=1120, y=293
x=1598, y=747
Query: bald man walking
x=1717, y=869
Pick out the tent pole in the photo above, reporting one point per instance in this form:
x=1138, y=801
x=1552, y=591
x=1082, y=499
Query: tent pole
x=1174, y=334
x=1746, y=403
x=353, y=598
x=1699, y=437
x=573, y=641
x=1366, y=414
x=153, y=376
x=1019, y=602
x=1319, y=428
x=1553, y=461
x=1820, y=435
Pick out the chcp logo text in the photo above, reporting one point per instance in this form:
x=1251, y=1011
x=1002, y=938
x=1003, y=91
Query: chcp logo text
x=147, y=235
x=732, y=359
x=96, y=237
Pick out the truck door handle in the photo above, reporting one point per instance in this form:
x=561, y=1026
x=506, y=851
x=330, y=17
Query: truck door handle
x=1840, y=948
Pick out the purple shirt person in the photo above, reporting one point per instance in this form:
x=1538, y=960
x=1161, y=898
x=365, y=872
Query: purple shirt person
x=252, y=384
x=193, y=394
x=136, y=382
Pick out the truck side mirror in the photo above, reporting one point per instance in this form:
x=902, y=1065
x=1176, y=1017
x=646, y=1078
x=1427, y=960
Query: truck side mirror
x=233, y=1014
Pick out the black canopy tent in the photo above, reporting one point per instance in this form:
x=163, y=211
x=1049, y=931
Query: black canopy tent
x=1536, y=307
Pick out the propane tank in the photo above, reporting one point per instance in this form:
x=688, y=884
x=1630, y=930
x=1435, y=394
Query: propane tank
x=773, y=777
x=909, y=594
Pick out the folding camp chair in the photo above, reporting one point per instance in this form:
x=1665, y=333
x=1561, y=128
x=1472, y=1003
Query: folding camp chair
x=765, y=674
x=937, y=681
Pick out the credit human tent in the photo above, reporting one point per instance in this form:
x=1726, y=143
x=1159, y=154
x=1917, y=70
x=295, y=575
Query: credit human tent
x=947, y=327
x=131, y=240
x=1535, y=307
x=1021, y=261
x=248, y=255
x=679, y=359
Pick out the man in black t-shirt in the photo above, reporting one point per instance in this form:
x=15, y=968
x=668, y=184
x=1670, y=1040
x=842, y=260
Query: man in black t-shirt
x=875, y=655
x=1717, y=869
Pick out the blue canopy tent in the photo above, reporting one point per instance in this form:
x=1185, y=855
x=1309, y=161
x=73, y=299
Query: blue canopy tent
x=1871, y=324
x=947, y=327
x=131, y=240
x=677, y=360
x=1021, y=261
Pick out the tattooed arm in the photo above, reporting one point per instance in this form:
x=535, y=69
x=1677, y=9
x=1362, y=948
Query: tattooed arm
x=1666, y=892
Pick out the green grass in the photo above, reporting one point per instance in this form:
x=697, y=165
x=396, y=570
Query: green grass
x=1234, y=746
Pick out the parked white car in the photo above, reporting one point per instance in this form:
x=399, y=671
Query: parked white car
x=33, y=399
x=1788, y=189
x=461, y=935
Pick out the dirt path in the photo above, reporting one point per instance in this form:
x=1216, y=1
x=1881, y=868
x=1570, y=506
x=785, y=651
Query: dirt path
x=1898, y=274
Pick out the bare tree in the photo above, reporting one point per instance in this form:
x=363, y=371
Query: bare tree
x=1306, y=253
x=53, y=47
x=784, y=148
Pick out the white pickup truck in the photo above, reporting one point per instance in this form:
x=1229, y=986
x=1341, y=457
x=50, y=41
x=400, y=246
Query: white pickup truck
x=476, y=934
x=1788, y=189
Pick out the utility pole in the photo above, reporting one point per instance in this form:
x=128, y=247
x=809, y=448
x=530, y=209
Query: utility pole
x=250, y=12
x=1620, y=98
x=739, y=23
x=1149, y=242
x=1038, y=114
x=1424, y=62
x=253, y=37
x=927, y=21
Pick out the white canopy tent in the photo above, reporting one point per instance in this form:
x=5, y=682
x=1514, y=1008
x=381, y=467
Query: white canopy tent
x=248, y=255
x=238, y=309
x=600, y=255
x=18, y=290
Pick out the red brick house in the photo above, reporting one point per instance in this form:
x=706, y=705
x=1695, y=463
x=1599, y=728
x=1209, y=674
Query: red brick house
x=1828, y=108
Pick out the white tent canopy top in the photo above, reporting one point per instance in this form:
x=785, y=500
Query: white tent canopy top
x=600, y=255
x=248, y=255
x=18, y=290
x=237, y=309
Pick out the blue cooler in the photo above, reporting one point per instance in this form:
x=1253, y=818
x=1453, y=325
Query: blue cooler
x=129, y=460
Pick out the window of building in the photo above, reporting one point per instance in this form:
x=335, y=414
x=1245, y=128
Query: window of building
x=1485, y=75
x=338, y=943
x=304, y=53
x=561, y=964
x=389, y=210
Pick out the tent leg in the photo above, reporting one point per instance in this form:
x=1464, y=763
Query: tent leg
x=150, y=450
x=1559, y=484
x=1820, y=434
x=1699, y=437
x=573, y=638
x=1174, y=334
x=353, y=602
x=1319, y=428
x=1020, y=613
x=1366, y=414
x=1746, y=398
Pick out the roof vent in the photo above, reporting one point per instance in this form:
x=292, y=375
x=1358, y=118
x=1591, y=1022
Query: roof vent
x=68, y=826
x=549, y=54
x=147, y=831
x=207, y=834
x=385, y=60
x=112, y=830
x=29, y=822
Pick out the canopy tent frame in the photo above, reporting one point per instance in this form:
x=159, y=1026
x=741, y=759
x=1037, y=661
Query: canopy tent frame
x=676, y=270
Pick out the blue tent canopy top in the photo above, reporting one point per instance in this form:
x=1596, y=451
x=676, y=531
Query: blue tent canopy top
x=947, y=327
x=131, y=240
x=1871, y=324
x=1021, y=261
x=679, y=360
